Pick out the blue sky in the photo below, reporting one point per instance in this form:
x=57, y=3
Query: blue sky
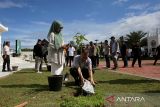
x=29, y=20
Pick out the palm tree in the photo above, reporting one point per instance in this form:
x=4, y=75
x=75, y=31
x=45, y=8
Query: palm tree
x=134, y=37
x=144, y=42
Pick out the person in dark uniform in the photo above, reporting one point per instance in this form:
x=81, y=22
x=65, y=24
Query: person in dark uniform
x=44, y=45
x=157, y=55
x=124, y=53
x=136, y=50
x=37, y=52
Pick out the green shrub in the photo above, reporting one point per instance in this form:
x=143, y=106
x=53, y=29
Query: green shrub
x=83, y=101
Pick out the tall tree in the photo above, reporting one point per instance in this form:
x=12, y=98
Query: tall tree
x=144, y=42
x=134, y=37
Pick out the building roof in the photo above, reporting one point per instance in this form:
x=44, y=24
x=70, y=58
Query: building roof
x=3, y=28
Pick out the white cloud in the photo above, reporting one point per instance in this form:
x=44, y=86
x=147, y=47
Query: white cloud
x=144, y=22
x=156, y=7
x=120, y=1
x=101, y=31
x=10, y=4
x=130, y=14
x=40, y=23
x=139, y=6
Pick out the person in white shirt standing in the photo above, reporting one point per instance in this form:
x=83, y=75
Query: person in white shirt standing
x=6, y=56
x=71, y=53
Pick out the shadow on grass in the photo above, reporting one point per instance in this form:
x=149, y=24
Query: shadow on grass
x=30, y=71
x=153, y=91
x=72, y=85
x=128, y=81
x=24, y=72
x=36, y=87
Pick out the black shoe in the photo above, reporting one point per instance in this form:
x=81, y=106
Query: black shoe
x=3, y=70
x=115, y=68
x=77, y=82
x=9, y=70
x=107, y=66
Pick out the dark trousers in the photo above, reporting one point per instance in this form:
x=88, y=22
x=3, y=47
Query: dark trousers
x=115, y=60
x=6, y=61
x=93, y=59
x=74, y=73
x=156, y=59
x=135, y=59
x=70, y=60
x=125, y=60
x=107, y=61
x=97, y=60
x=44, y=58
x=67, y=59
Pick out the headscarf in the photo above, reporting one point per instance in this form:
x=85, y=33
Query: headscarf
x=57, y=36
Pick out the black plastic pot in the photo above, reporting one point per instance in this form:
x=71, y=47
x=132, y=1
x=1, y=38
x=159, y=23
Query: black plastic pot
x=14, y=68
x=55, y=82
x=49, y=67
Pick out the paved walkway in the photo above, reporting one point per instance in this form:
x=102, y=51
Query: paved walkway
x=148, y=70
x=16, y=61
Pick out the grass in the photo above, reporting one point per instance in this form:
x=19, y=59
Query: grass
x=26, y=85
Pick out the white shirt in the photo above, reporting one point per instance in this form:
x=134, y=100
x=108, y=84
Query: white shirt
x=71, y=51
x=6, y=50
x=77, y=62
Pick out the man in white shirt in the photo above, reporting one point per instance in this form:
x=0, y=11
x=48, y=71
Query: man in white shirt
x=71, y=52
x=6, y=56
x=82, y=68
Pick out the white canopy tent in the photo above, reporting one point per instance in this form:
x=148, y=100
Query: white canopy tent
x=2, y=29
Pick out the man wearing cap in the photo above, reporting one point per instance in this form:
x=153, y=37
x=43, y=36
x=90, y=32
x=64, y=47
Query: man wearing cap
x=114, y=50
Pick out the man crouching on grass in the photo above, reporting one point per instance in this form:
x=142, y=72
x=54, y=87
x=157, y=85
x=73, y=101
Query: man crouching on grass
x=82, y=68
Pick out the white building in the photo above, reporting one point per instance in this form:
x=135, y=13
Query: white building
x=2, y=29
x=153, y=41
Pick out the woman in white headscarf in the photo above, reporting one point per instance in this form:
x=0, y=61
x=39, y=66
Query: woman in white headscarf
x=55, y=49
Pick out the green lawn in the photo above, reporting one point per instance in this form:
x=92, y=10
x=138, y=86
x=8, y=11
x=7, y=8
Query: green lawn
x=26, y=85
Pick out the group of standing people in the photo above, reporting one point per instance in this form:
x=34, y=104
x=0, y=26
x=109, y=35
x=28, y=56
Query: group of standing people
x=40, y=53
x=114, y=50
